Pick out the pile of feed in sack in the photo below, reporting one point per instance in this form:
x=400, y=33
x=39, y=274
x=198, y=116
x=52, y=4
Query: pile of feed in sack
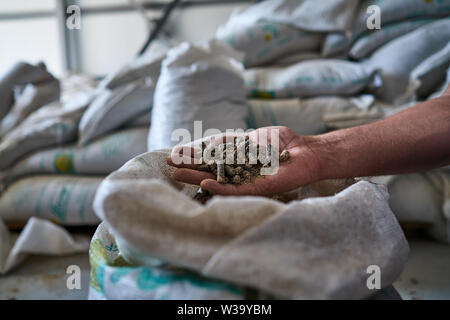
x=237, y=162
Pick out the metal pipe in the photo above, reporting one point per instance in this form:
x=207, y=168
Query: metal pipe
x=158, y=5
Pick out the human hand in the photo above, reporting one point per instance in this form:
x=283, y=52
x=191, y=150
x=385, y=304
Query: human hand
x=301, y=168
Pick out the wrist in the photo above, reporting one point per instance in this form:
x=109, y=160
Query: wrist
x=309, y=157
x=324, y=155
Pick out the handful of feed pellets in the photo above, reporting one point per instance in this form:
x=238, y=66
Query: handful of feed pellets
x=236, y=162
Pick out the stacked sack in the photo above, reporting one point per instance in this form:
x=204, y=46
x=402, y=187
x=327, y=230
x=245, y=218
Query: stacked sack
x=199, y=84
x=316, y=68
x=24, y=88
x=282, y=43
x=53, y=160
x=63, y=199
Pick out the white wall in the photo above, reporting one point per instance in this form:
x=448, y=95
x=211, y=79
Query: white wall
x=199, y=23
x=31, y=40
x=110, y=40
x=107, y=40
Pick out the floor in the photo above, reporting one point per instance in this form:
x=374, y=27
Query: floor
x=44, y=277
x=426, y=275
x=427, y=272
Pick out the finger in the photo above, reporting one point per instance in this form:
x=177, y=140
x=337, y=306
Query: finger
x=190, y=151
x=214, y=187
x=191, y=176
x=261, y=186
x=182, y=162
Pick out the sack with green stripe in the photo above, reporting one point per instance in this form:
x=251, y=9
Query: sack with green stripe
x=264, y=42
x=270, y=30
x=313, y=115
x=391, y=12
x=397, y=60
x=100, y=157
x=112, y=277
x=48, y=126
x=65, y=200
x=308, y=79
x=369, y=42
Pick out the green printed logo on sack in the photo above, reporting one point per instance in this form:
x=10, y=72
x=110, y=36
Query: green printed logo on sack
x=270, y=94
x=82, y=200
x=111, y=145
x=99, y=262
x=19, y=199
x=146, y=278
x=271, y=30
x=143, y=161
x=152, y=278
x=63, y=163
x=58, y=206
x=97, y=259
x=37, y=208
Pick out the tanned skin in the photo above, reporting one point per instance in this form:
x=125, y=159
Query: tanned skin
x=415, y=139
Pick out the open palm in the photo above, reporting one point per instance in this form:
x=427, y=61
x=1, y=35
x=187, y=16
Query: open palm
x=301, y=168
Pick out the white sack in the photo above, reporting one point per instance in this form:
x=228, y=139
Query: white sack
x=48, y=126
x=264, y=41
x=336, y=45
x=147, y=65
x=113, y=278
x=391, y=11
x=398, y=58
x=141, y=120
x=399, y=10
x=369, y=42
x=431, y=72
x=37, y=237
x=113, y=108
x=28, y=99
x=330, y=15
x=295, y=58
x=308, y=78
x=422, y=200
x=197, y=83
x=73, y=84
x=19, y=75
x=442, y=87
x=272, y=29
x=100, y=157
x=66, y=200
x=315, y=248
x=311, y=116
x=124, y=94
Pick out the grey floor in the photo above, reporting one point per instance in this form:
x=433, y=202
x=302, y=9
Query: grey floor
x=426, y=276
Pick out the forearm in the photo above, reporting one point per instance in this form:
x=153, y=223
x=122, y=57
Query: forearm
x=413, y=140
